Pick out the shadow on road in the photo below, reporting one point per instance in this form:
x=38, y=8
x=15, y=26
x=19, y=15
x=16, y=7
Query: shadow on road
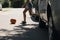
x=29, y=34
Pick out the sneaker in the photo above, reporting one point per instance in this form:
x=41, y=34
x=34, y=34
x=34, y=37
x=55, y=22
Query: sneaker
x=23, y=22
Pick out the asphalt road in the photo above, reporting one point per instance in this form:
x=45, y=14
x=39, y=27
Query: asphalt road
x=17, y=31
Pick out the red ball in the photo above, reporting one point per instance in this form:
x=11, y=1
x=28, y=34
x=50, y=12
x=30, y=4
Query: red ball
x=13, y=21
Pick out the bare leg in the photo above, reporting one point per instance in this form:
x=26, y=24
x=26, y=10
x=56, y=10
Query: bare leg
x=32, y=14
x=24, y=14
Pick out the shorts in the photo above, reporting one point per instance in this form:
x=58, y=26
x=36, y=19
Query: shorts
x=29, y=6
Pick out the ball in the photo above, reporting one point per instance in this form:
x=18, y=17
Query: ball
x=13, y=21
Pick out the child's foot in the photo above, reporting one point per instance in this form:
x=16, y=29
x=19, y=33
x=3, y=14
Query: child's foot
x=23, y=22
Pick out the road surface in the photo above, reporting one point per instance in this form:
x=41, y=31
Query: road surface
x=17, y=31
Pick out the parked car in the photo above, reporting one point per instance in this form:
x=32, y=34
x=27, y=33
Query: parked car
x=55, y=24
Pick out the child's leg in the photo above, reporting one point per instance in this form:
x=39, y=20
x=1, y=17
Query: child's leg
x=24, y=14
x=32, y=14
